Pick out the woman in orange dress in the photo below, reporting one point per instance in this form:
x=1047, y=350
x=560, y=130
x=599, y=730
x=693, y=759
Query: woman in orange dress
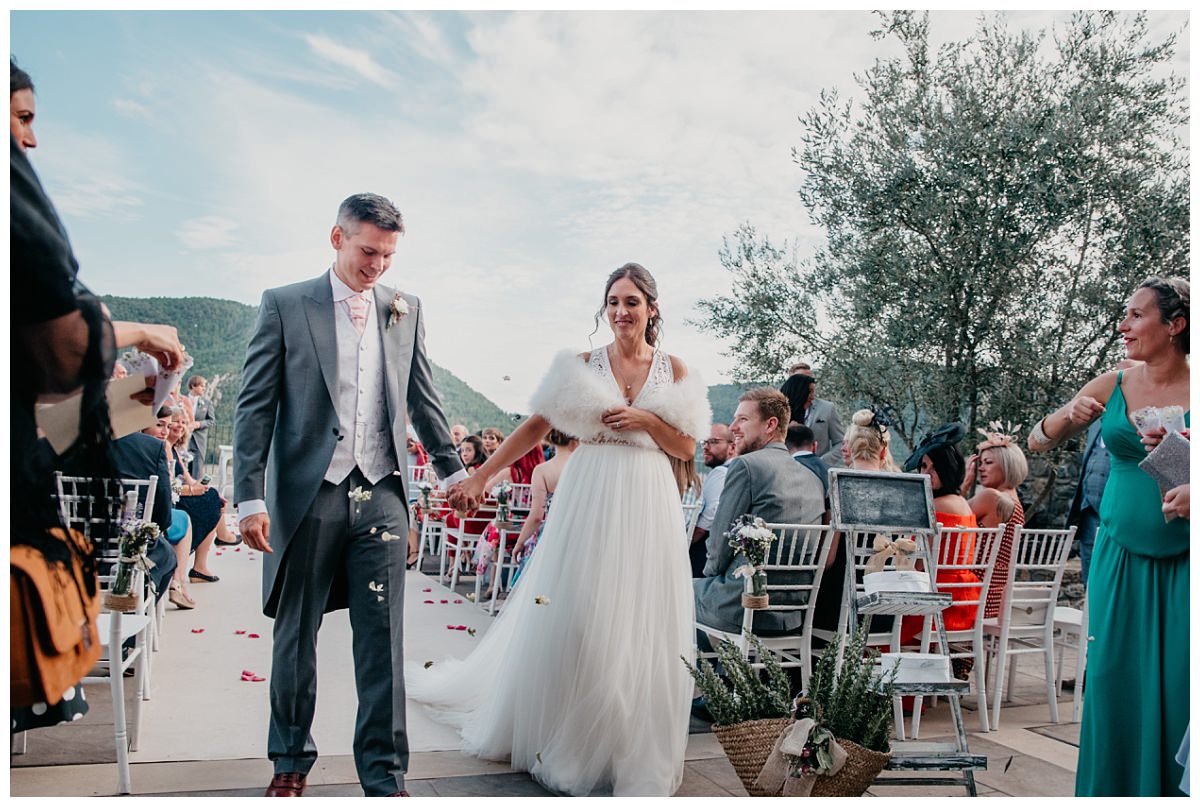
x=938, y=458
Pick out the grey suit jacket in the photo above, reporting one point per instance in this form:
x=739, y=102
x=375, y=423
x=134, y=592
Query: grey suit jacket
x=286, y=426
x=205, y=416
x=827, y=428
x=769, y=484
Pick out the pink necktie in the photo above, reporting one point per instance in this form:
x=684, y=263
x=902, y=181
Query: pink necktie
x=357, y=306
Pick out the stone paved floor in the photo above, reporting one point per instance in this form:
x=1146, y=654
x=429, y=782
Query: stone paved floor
x=1027, y=755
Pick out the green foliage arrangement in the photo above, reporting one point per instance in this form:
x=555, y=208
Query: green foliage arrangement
x=855, y=701
x=746, y=695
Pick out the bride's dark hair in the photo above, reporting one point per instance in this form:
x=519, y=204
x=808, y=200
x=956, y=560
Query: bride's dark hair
x=646, y=285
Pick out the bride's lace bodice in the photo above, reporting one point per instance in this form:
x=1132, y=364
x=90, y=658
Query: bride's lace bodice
x=661, y=374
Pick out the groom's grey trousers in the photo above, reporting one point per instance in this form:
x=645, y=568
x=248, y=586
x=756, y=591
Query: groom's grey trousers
x=340, y=542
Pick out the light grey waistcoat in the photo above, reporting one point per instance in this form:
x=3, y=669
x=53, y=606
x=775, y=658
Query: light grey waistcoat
x=361, y=403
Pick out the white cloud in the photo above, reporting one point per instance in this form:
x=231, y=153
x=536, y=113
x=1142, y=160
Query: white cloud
x=87, y=175
x=208, y=232
x=529, y=163
x=131, y=109
x=355, y=59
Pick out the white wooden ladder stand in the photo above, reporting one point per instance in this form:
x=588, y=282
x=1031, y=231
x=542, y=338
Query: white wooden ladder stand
x=891, y=515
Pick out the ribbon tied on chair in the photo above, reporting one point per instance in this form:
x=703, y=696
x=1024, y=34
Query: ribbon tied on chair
x=900, y=549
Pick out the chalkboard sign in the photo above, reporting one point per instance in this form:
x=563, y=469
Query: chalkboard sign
x=880, y=501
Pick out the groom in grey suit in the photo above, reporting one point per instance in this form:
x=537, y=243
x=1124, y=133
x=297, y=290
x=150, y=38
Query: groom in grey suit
x=763, y=481
x=333, y=368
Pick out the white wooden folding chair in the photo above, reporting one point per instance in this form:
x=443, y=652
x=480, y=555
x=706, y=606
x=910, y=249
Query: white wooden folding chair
x=971, y=553
x=462, y=539
x=520, y=498
x=81, y=510
x=795, y=564
x=502, y=569
x=1026, y=621
x=1070, y=633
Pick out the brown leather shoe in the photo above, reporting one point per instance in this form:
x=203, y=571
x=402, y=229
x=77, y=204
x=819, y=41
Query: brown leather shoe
x=286, y=784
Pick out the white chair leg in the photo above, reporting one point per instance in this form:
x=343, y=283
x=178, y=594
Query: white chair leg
x=980, y=673
x=898, y=718
x=139, y=678
x=1048, y=659
x=20, y=743
x=1001, y=669
x=117, y=685
x=1012, y=677
x=1060, y=658
x=1080, y=666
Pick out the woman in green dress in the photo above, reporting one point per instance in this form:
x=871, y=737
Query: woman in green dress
x=1136, y=707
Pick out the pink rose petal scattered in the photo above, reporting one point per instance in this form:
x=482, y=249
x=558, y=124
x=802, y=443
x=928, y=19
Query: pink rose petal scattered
x=252, y=677
x=197, y=630
x=237, y=549
x=428, y=602
x=451, y=627
x=444, y=602
x=253, y=636
x=461, y=627
x=239, y=633
x=458, y=602
x=426, y=590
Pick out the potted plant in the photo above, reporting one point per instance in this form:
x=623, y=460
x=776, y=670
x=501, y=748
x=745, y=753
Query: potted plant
x=853, y=702
x=749, y=713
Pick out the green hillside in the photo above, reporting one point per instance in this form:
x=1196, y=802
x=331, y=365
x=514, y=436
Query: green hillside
x=216, y=332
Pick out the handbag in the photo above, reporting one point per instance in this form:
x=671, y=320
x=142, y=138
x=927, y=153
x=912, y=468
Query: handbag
x=53, y=614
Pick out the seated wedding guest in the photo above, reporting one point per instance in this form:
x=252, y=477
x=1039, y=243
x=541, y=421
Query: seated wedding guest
x=938, y=457
x=762, y=481
x=802, y=444
x=201, y=502
x=1001, y=467
x=543, y=483
x=457, y=433
x=867, y=448
x=492, y=438
x=521, y=471
x=141, y=456
x=819, y=415
x=472, y=453
x=179, y=534
x=717, y=454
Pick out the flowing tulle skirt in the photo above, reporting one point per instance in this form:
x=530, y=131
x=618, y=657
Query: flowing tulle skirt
x=580, y=681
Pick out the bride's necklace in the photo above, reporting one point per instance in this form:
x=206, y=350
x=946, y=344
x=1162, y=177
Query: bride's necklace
x=621, y=378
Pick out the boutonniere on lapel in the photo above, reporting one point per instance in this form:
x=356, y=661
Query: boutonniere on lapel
x=397, y=310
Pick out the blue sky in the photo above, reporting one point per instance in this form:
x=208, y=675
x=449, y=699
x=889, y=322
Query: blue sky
x=205, y=153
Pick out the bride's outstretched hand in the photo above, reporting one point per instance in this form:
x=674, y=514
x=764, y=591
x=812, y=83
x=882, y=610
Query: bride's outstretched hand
x=626, y=419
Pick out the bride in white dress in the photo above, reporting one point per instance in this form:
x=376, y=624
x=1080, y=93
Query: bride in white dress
x=579, y=680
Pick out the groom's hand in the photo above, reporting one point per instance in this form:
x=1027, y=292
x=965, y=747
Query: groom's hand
x=256, y=531
x=461, y=499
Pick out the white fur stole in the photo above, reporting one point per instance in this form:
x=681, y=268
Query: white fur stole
x=573, y=397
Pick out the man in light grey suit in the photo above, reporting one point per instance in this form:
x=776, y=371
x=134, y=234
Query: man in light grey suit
x=766, y=482
x=333, y=368
x=205, y=416
x=822, y=418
